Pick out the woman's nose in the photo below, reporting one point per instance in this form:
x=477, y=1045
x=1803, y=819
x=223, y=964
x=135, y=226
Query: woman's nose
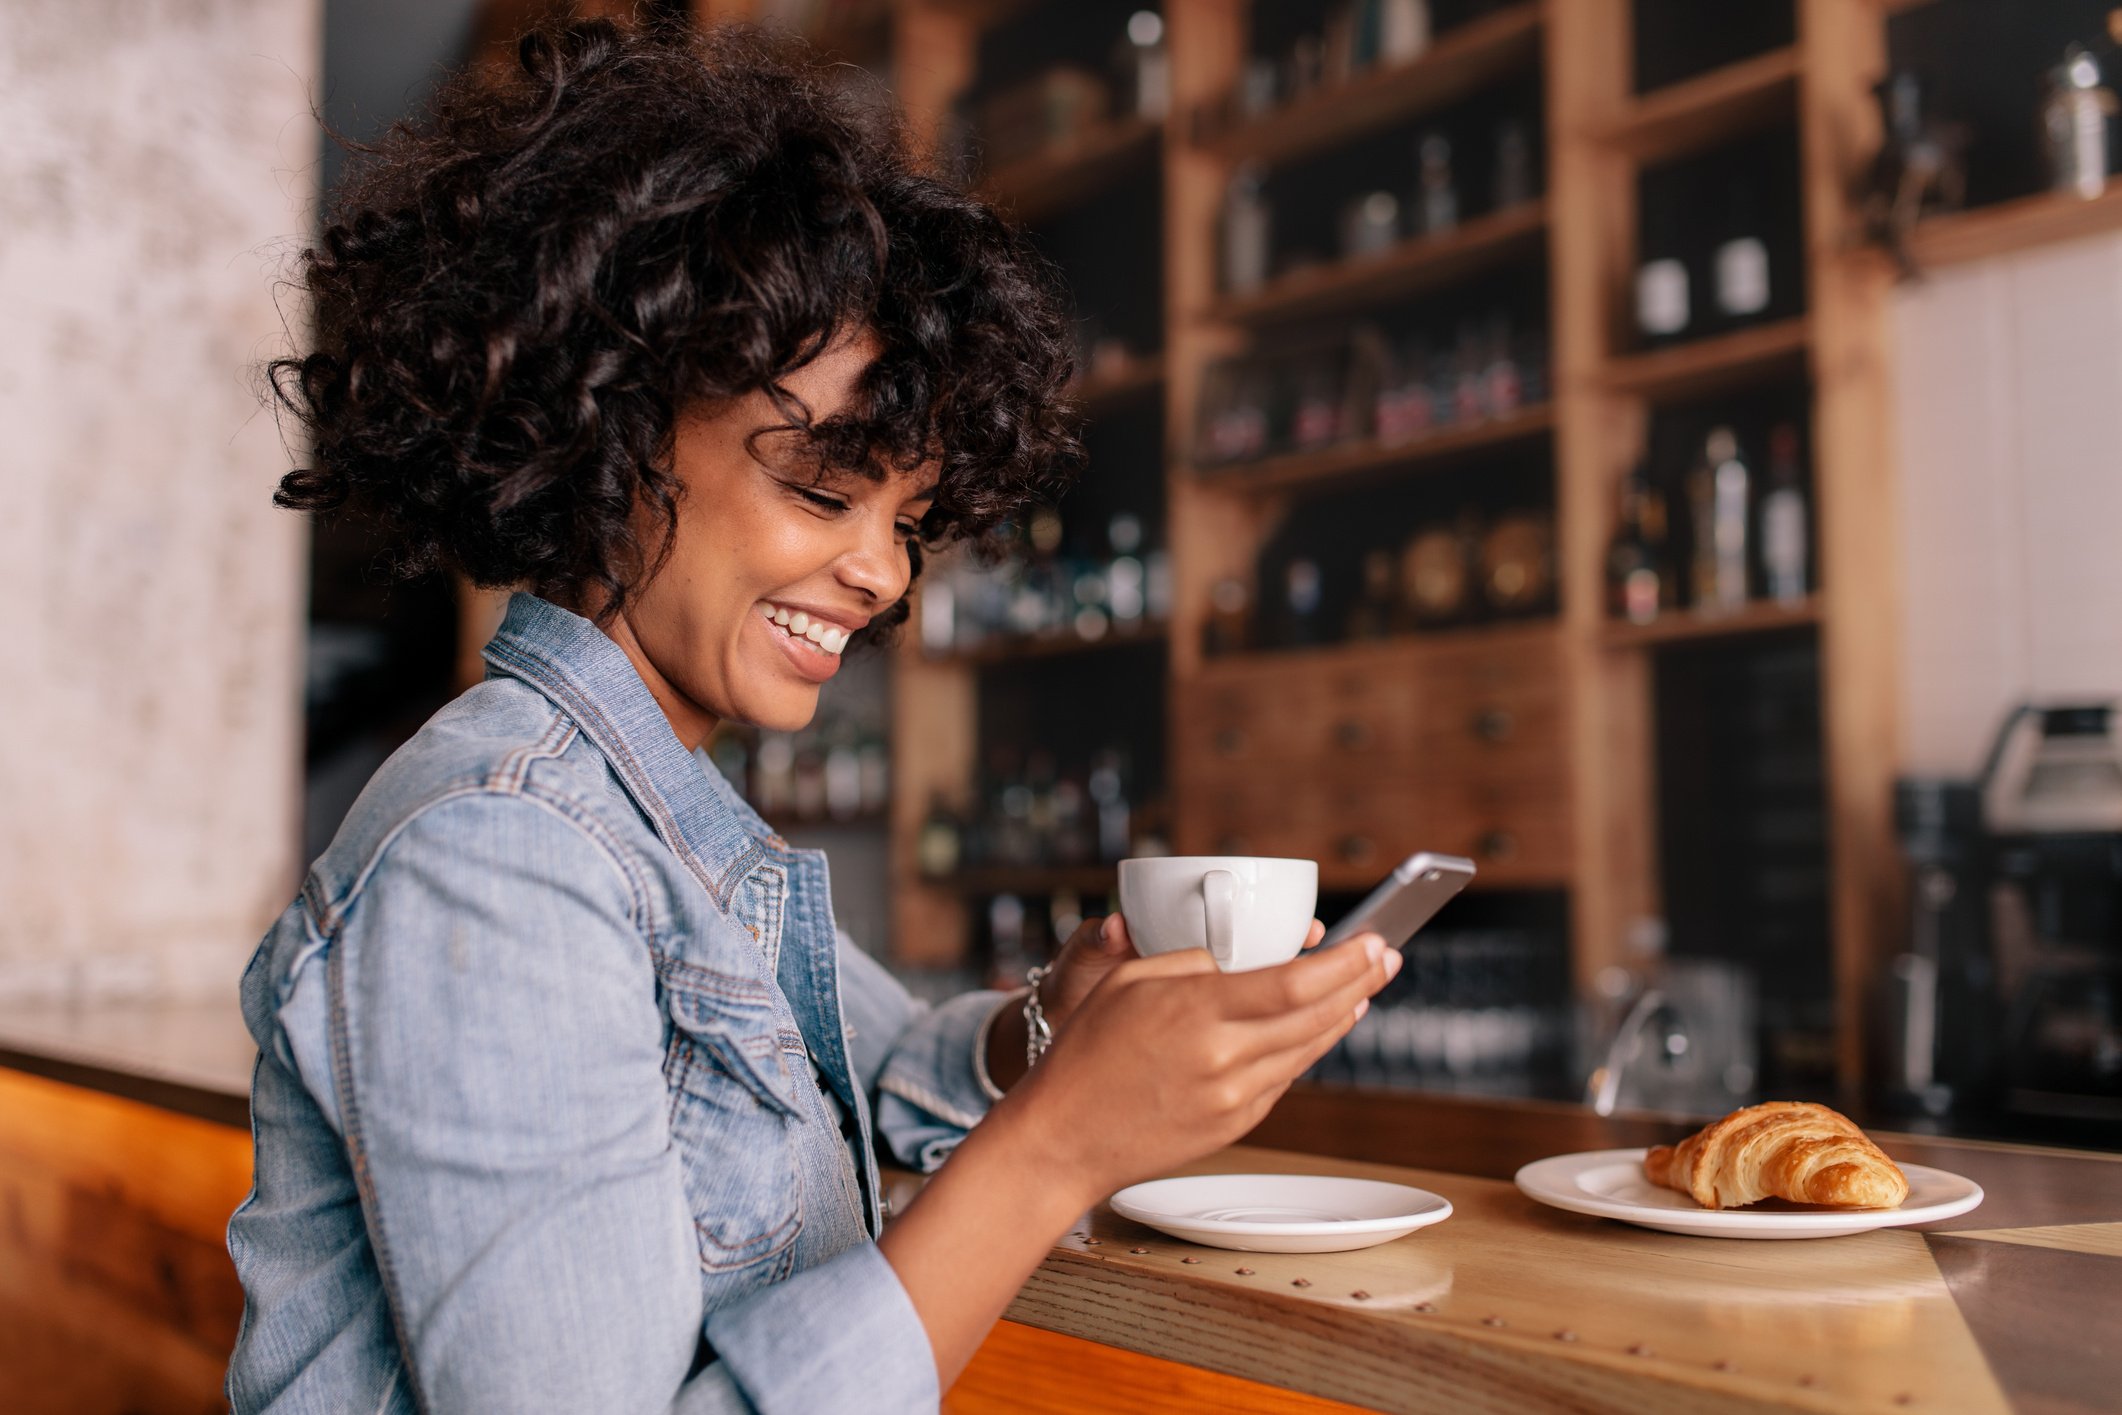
x=878, y=565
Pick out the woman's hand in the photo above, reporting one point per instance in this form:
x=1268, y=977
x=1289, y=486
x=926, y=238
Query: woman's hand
x=1166, y=1059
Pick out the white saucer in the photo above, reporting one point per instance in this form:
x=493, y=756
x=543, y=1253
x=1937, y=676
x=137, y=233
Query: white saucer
x=1281, y=1213
x=1610, y=1184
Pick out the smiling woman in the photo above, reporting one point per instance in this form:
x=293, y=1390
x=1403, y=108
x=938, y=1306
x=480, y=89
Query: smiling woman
x=569, y=1090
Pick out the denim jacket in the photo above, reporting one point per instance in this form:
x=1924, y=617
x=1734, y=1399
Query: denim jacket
x=567, y=1084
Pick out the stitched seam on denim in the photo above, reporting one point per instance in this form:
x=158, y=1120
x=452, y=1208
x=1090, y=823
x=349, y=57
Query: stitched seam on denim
x=548, y=677
x=779, y=1240
x=707, y=980
x=508, y=776
x=929, y=1101
x=357, y=1159
x=622, y=860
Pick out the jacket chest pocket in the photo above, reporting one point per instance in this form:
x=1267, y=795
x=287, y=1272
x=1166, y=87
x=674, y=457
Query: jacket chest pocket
x=735, y=1104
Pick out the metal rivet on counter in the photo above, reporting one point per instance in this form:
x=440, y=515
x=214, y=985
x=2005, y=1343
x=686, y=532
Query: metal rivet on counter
x=1904, y=1398
x=1727, y=1366
x=1189, y=1260
x=1300, y=1282
x=1425, y=1306
x=1639, y=1349
x=1245, y=1272
x=1565, y=1335
x=1138, y=1250
x=1491, y=1321
x=1808, y=1380
x=1093, y=1242
x=1360, y=1295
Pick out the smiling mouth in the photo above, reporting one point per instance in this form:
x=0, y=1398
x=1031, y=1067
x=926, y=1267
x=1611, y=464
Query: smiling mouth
x=814, y=633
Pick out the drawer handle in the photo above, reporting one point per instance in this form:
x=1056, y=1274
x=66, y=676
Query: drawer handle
x=1496, y=844
x=1352, y=736
x=1355, y=849
x=1229, y=742
x=1493, y=724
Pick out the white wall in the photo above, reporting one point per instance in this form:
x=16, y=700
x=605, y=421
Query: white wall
x=158, y=155
x=2010, y=426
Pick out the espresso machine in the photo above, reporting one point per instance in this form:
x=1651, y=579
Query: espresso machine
x=2005, y=1011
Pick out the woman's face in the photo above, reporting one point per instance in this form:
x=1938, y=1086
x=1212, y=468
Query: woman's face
x=770, y=570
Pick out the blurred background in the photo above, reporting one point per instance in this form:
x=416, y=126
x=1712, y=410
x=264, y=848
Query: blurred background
x=1665, y=452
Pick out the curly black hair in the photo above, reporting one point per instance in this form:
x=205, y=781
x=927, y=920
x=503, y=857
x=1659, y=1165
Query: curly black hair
x=517, y=295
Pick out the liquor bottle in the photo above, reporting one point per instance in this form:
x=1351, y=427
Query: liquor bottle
x=1784, y=537
x=1108, y=792
x=1438, y=202
x=1720, y=492
x=1372, y=616
x=1124, y=587
x=1663, y=302
x=1638, y=582
x=1142, y=64
x=1502, y=381
x=1229, y=626
x=1742, y=265
x=1248, y=224
x=1403, y=31
x=1513, y=184
x=2074, y=114
x=1301, y=624
x=938, y=846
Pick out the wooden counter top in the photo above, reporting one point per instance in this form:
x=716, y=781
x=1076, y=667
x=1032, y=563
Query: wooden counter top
x=1510, y=1305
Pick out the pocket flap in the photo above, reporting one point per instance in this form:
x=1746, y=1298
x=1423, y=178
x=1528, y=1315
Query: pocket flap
x=735, y=1025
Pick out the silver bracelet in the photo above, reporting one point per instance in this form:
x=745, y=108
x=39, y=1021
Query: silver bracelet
x=1038, y=1036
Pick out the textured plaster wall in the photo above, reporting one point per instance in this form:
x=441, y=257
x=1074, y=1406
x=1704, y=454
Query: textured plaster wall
x=2010, y=425
x=158, y=156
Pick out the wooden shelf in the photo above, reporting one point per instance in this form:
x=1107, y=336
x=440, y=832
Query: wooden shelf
x=2039, y=220
x=1034, y=188
x=1319, y=658
x=1034, y=879
x=1713, y=365
x=1515, y=233
x=1137, y=378
x=1055, y=646
x=1462, y=61
x=1702, y=112
x=1685, y=627
x=1361, y=460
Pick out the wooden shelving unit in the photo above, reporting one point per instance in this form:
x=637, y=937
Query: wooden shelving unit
x=1703, y=112
x=1034, y=188
x=1056, y=646
x=1498, y=238
x=1138, y=379
x=1683, y=628
x=1712, y=365
x=2040, y=220
x=1461, y=62
x=1359, y=461
x=1094, y=881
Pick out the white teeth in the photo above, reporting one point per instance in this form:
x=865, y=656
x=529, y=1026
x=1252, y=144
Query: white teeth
x=830, y=638
x=798, y=622
x=835, y=640
x=781, y=617
x=766, y=609
x=815, y=633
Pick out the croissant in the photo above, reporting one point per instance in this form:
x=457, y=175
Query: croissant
x=1791, y=1150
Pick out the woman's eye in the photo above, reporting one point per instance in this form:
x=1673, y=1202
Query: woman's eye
x=828, y=503
x=908, y=529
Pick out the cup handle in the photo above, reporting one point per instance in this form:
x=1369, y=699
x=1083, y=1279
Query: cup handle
x=1219, y=896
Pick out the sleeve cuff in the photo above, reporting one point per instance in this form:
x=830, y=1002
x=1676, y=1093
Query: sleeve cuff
x=930, y=1093
x=840, y=1336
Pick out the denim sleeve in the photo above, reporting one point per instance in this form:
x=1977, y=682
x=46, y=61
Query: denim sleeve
x=917, y=1062
x=497, y=1054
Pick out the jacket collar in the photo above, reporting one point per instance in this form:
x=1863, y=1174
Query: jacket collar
x=692, y=806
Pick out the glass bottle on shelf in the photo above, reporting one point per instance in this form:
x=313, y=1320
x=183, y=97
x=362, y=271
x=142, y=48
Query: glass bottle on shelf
x=1438, y=206
x=1301, y=622
x=1639, y=584
x=1785, y=523
x=1513, y=181
x=1742, y=264
x=1502, y=382
x=1108, y=793
x=1143, y=65
x=1721, y=495
x=1372, y=616
x=1248, y=224
x=2074, y=116
x=938, y=847
x=1125, y=590
x=1403, y=31
x=1229, y=626
x=1663, y=303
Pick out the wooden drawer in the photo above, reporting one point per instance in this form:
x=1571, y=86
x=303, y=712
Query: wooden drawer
x=1516, y=831
x=1326, y=708
x=1490, y=713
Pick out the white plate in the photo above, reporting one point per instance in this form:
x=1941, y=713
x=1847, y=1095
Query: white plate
x=1281, y=1213
x=1610, y=1184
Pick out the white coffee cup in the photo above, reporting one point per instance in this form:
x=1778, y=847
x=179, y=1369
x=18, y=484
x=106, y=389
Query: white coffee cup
x=1248, y=912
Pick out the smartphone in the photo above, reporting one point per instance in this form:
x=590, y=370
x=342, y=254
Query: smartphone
x=1404, y=900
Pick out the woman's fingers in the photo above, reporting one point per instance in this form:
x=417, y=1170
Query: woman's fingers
x=1312, y=935
x=1303, y=980
x=1299, y=1025
x=1275, y=1070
